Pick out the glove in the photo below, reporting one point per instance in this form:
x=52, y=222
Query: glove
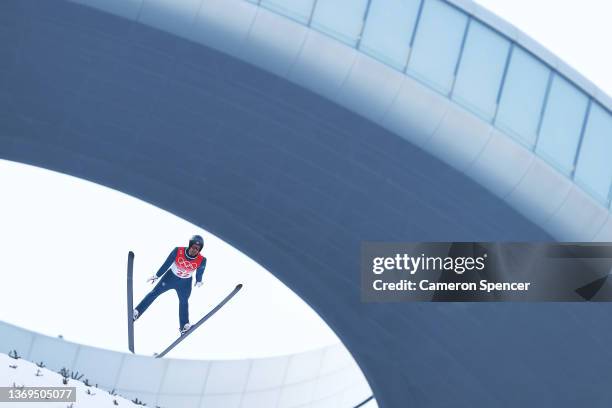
x=198, y=284
x=153, y=278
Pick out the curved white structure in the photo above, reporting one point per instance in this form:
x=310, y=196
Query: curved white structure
x=489, y=101
x=445, y=76
x=320, y=378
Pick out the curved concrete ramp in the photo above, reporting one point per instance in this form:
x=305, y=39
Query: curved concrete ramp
x=318, y=378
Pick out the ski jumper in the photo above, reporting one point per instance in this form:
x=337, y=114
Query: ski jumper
x=182, y=267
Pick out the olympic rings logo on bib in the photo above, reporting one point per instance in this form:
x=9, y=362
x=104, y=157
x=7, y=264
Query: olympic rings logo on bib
x=185, y=264
x=183, y=267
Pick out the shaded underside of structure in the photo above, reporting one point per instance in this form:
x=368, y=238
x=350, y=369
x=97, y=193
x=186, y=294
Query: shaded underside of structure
x=296, y=183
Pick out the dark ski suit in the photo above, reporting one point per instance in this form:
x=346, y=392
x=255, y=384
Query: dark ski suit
x=182, y=286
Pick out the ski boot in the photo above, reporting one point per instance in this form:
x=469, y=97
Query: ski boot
x=185, y=328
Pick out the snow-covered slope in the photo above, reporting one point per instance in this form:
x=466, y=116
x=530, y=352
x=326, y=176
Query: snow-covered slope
x=24, y=373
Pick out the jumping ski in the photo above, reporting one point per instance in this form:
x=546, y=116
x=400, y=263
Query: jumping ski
x=202, y=320
x=130, y=301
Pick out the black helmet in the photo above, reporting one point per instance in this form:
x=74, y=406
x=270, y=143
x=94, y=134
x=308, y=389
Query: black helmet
x=198, y=240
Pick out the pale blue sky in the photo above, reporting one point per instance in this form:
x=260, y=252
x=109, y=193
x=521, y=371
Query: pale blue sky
x=64, y=245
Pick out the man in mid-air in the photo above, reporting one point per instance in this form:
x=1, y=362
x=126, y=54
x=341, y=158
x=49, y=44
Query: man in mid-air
x=183, y=262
